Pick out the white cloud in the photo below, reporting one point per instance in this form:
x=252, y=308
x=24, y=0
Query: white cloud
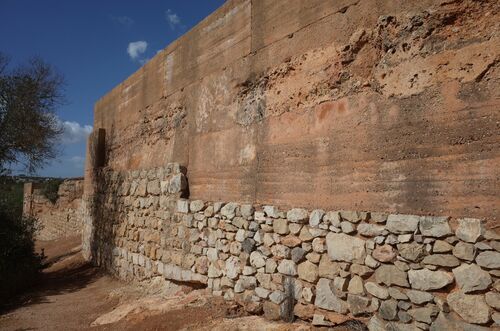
x=172, y=18
x=74, y=133
x=136, y=49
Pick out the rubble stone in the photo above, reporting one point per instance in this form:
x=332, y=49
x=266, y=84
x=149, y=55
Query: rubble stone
x=493, y=300
x=472, y=308
x=271, y=211
x=489, y=259
x=446, y=322
x=423, y=314
x=388, y=309
x=342, y=247
x=370, y=230
x=400, y=224
x=441, y=246
x=419, y=297
x=358, y=304
x=470, y=229
x=431, y=226
x=297, y=215
x=287, y=267
x=471, y=278
x=308, y=271
x=356, y=285
x=280, y=226
x=315, y=217
x=426, y=279
x=377, y=290
x=384, y=253
x=353, y=216
x=196, y=206
x=442, y=260
x=347, y=227
x=464, y=251
x=328, y=268
x=413, y=252
x=391, y=275
x=326, y=298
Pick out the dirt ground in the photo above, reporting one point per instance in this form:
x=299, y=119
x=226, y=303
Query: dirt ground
x=74, y=295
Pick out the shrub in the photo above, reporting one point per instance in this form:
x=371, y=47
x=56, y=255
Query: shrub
x=19, y=264
x=50, y=189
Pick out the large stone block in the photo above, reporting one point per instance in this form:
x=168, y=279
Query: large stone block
x=297, y=215
x=426, y=280
x=391, y=275
x=472, y=308
x=469, y=229
x=326, y=298
x=402, y=223
x=177, y=184
x=489, y=259
x=431, y=226
x=342, y=247
x=471, y=278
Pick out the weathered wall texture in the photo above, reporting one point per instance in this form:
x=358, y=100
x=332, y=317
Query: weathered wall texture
x=393, y=272
x=60, y=219
x=388, y=106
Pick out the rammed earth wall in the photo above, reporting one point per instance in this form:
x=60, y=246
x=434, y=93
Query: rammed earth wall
x=357, y=105
x=396, y=272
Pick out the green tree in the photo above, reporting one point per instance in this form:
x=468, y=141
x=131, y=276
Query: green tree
x=29, y=95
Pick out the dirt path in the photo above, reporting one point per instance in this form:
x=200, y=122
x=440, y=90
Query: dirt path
x=70, y=295
x=73, y=295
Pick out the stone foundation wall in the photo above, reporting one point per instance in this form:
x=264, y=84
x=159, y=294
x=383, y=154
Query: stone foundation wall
x=394, y=272
x=59, y=219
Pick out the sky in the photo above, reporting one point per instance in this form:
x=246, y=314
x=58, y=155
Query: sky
x=95, y=45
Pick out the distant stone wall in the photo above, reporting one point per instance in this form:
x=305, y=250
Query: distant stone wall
x=394, y=272
x=59, y=219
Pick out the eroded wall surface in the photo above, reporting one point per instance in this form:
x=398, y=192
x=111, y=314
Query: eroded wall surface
x=388, y=106
x=58, y=219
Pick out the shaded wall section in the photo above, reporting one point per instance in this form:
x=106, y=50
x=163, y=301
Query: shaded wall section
x=359, y=105
x=60, y=218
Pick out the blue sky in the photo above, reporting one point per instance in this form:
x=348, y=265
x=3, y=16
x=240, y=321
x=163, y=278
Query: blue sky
x=95, y=45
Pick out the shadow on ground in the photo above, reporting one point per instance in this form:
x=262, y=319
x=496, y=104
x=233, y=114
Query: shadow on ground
x=72, y=275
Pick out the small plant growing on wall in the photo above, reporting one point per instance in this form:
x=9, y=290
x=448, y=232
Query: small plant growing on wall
x=50, y=189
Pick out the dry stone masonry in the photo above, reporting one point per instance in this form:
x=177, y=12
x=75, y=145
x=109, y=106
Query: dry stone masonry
x=58, y=219
x=399, y=272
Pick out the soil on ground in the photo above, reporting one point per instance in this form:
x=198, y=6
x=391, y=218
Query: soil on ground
x=74, y=295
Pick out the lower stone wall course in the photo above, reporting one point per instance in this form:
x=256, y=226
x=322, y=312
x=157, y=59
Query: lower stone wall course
x=394, y=272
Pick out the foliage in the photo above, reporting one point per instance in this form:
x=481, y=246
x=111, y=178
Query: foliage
x=50, y=189
x=29, y=128
x=19, y=264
